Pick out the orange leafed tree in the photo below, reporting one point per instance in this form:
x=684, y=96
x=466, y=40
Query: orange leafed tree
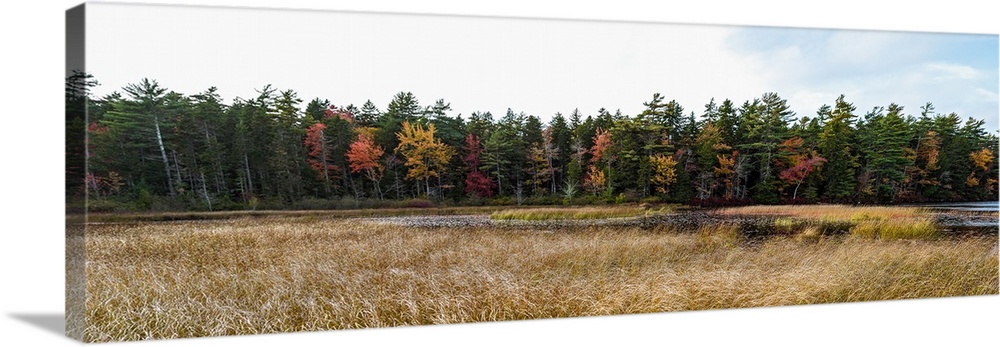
x=595, y=180
x=602, y=140
x=425, y=155
x=365, y=155
x=725, y=171
x=319, y=153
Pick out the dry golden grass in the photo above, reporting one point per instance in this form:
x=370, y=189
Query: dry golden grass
x=871, y=222
x=894, y=230
x=842, y=213
x=587, y=212
x=166, y=280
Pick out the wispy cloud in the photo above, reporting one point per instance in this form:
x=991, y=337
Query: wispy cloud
x=810, y=67
x=952, y=71
x=987, y=96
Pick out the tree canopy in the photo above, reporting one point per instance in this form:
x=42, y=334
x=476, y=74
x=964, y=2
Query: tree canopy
x=151, y=148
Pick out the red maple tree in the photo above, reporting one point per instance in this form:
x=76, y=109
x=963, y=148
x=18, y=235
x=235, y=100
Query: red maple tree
x=798, y=173
x=365, y=155
x=602, y=140
x=476, y=182
x=319, y=154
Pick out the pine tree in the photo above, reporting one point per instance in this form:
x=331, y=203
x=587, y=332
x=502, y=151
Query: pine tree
x=315, y=110
x=836, y=146
x=139, y=125
x=562, y=142
x=889, y=160
x=77, y=97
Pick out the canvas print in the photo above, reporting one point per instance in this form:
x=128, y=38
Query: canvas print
x=239, y=171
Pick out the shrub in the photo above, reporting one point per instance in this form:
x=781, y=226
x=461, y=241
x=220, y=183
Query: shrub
x=795, y=201
x=417, y=203
x=312, y=204
x=720, y=202
x=620, y=199
x=544, y=200
x=651, y=199
x=108, y=205
x=501, y=201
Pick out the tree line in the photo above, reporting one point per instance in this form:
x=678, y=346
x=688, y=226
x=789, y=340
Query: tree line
x=147, y=147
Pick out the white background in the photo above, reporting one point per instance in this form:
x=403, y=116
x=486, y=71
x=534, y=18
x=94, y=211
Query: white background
x=31, y=193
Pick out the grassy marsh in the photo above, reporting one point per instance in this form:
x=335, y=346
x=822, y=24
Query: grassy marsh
x=871, y=222
x=243, y=276
x=829, y=212
x=557, y=213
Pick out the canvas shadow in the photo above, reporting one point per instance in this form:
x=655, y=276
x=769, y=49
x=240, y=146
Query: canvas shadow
x=51, y=322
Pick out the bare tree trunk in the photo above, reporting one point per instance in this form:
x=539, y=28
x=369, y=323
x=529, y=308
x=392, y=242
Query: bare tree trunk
x=246, y=167
x=204, y=190
x=326, y=171
x=499, y=178
x=163, y=154
x=180, y=175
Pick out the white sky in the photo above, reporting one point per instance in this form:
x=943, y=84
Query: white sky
x=536, y=66
x=34, y=36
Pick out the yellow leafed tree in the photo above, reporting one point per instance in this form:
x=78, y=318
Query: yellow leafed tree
x=425, y=155
x=982, y=159
x=664, y=171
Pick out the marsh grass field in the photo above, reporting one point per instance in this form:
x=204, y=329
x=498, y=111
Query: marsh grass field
x=303, y=272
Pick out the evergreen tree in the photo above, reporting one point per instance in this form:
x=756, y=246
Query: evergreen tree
x=888, y=160
x=314, y=110
x=562, y=140
x=77, y=97
x=139, y=126
x=368, y=115
x=836, y=146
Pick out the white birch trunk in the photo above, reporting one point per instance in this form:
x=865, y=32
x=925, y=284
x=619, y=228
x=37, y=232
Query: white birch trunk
x=163, y=154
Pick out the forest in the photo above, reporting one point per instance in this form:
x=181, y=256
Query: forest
x=146, y=148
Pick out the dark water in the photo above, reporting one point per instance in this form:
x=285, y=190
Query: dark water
x=973, y=206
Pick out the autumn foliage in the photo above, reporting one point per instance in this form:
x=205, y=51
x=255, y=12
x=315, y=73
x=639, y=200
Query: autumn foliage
x=365, y=155
x=602, y=140
x=198, y=152
x=664, y=169
x=319, y=153
x=426, y=156
x=595, y=180
x=800, y=163
x=476, y=182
